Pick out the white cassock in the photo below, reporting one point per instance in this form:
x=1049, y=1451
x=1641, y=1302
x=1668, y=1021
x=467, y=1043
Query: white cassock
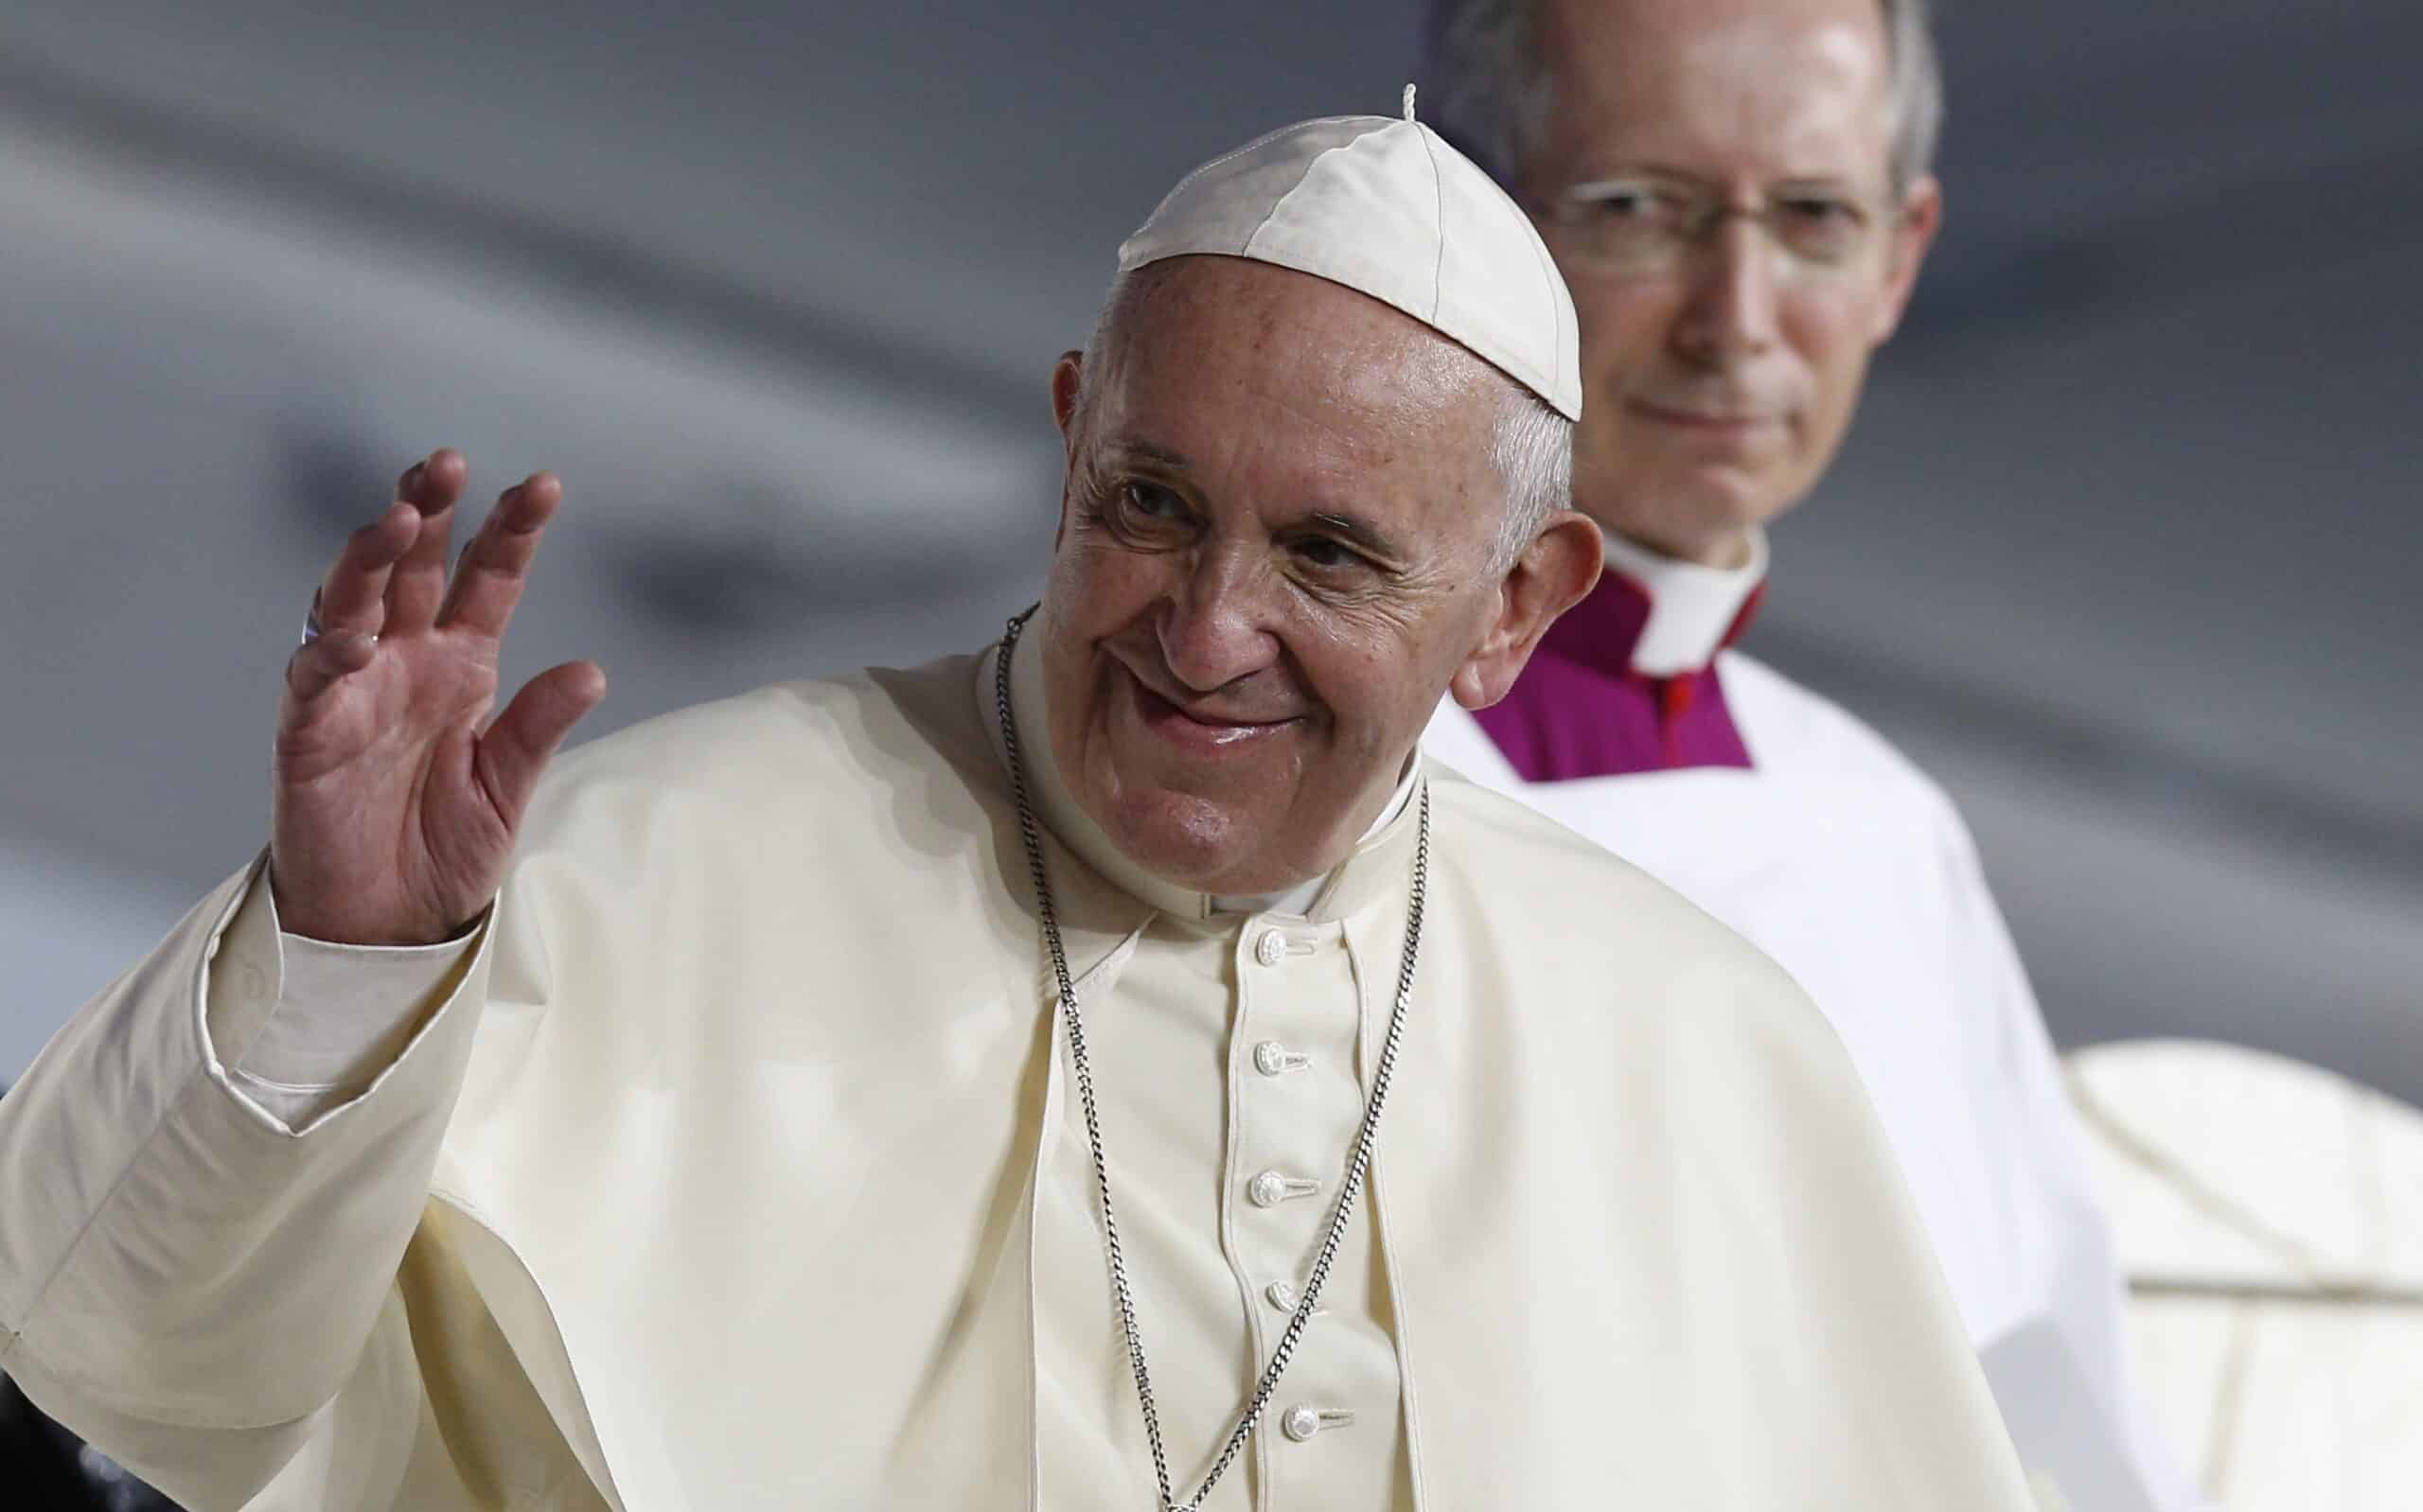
x=1835, y=855
x=734, y=1162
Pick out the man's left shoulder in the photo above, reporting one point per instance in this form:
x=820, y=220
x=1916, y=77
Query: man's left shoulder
x=1794, y=730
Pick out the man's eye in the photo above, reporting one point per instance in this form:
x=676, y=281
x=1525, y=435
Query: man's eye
x=1819, y=227
x=1633, y=203
x=1151, y=500
x=1328, y=555
x=1819, y=210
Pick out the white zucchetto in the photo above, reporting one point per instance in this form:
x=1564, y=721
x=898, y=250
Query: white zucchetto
x=1388, y=208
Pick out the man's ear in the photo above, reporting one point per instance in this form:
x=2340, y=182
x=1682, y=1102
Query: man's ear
x=1066, y=374
x=1064, y=382
x=1911, y=234
x=1552, y=574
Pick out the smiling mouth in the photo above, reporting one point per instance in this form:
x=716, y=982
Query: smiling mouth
x=1176, y=724
x=1698, y=419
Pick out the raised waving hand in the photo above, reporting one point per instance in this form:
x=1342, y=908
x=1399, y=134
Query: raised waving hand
x=395, y=797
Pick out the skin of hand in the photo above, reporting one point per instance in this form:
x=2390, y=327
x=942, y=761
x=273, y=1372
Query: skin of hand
x=395, y=797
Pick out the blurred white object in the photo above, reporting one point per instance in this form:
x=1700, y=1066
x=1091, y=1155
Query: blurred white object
x=2269, y=1216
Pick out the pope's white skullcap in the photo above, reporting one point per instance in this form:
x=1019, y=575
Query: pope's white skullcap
x=1388, y=208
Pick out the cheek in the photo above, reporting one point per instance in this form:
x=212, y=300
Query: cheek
x=1095, y=588
x=1831, y=339
x=1374, y=683
x=1622, y=327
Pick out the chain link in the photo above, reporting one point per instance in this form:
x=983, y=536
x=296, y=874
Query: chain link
x=1357, y=1164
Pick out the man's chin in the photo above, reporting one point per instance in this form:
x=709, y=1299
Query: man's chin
x=1178, y=836
x=1196, y=843
x=1672, y=508
x=1193, y=821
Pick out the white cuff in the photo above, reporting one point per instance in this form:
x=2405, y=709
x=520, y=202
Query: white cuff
x=337, y=1016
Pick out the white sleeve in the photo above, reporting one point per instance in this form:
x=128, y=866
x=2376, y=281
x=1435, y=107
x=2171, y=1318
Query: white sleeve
x=200, y=1287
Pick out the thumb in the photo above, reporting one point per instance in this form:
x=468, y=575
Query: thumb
x=517, y=744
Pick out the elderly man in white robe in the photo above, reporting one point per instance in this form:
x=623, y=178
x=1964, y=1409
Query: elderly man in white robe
x=1739, y=194
x=1110, y=1072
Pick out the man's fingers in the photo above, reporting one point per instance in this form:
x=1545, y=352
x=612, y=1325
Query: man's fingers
x=316, y=668
x=352, y=596
x=518, y=744
x=495, y=565
x=430, y=488
x=434, y=481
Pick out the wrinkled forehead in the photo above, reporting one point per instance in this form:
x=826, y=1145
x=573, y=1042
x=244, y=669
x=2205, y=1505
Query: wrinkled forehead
x=1215, y=344
x=1764, y=88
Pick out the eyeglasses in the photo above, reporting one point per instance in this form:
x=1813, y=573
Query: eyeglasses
x=1652, y=225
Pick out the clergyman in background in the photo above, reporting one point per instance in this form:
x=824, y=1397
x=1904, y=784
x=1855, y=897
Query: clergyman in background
x=1739, y=194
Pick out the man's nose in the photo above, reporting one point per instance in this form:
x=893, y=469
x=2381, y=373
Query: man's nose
x=1731, y=312
x=1215, y=628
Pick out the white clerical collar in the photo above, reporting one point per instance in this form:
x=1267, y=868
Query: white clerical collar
x=1692, y=607
x=1075, y=829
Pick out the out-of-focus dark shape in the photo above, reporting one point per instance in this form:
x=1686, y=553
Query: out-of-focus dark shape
x=44, y=1468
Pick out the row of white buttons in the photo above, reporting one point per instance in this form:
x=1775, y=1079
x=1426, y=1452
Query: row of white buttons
x=1271, y=1188
x=1273, y=1059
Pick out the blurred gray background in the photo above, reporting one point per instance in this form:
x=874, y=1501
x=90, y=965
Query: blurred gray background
x=2124, y=548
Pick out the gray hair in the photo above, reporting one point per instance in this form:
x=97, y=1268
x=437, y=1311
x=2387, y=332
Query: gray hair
x=1486, y=88
x=1530, y=445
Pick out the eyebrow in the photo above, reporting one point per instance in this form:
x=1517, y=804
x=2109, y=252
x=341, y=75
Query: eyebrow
x=1174, y=461
x=1659, y=170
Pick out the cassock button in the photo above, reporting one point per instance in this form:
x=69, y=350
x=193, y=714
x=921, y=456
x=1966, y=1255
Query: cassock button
x=1271, y=948
x=1284, y=1296
x=1271, y=1058
x=1301, y=1421
x=1270, y=1188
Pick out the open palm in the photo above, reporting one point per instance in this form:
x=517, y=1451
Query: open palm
x=394, y=799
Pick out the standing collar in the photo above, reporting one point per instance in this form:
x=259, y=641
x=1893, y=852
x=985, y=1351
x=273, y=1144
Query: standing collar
x=1347, y=888
x=1681, y=614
